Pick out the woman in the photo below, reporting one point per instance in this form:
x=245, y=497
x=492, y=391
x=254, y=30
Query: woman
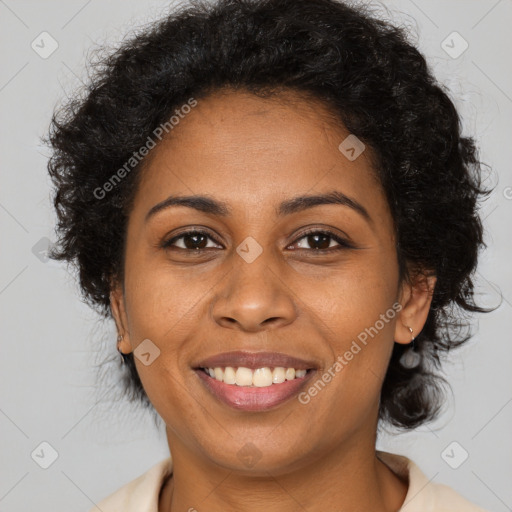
x=273, y=201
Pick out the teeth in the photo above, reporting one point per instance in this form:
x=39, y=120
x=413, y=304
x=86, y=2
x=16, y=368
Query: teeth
x=243, y=377
x=261, y=377
x=278, y=375
x=229, y=375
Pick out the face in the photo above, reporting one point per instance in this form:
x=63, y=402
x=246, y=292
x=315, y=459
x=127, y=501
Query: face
x=265, y=273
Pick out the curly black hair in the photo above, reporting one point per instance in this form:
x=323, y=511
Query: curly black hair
x=373, y=80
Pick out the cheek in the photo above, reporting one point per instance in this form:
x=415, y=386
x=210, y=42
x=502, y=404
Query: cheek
x=163, y=301
x=165, y=305
x=359, y=310
x=165, y=316
x=353, y=297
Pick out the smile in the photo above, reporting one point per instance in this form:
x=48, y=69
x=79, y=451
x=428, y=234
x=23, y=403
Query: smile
x=260, y=377
x=246, y=396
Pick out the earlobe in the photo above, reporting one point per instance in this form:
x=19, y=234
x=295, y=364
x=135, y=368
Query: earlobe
x=416, y=300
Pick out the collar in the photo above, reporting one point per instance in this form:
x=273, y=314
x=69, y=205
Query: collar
x=423, y=495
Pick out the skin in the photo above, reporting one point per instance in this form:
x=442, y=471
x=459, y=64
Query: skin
x=253, y=153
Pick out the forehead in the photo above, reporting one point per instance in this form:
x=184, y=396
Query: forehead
x=248, y=150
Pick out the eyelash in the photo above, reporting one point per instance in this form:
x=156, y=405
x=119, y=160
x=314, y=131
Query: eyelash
x=343, y=244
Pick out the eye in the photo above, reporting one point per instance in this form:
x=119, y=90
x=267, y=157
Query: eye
x=193, y=240
x=322, y=241
x=319, y=241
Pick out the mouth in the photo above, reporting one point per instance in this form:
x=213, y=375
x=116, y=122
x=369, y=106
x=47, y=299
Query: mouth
x=254, y=381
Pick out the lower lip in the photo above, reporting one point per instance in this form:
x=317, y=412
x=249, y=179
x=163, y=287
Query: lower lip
x=254, y=398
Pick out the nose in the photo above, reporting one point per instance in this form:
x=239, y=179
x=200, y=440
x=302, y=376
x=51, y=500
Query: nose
x=254, y=298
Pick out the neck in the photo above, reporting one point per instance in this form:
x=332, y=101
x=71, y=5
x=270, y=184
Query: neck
x=349, y=478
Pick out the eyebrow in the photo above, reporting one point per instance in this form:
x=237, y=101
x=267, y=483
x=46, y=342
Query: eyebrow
x=296, y=204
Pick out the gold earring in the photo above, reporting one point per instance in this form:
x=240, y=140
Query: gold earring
x=411, y=331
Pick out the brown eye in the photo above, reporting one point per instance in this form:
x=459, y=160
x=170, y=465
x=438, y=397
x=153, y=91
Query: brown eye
x=322, y=241
x=190, y=241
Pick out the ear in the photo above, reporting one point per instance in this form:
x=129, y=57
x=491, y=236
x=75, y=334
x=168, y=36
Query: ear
x=415, y=298
x=118, y=308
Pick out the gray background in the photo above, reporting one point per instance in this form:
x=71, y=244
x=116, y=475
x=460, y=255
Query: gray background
x=51, y=341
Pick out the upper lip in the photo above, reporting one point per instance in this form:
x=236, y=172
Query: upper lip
x=254, y=360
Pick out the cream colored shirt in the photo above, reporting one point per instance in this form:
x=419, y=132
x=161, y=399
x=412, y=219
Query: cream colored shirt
x=141, y=494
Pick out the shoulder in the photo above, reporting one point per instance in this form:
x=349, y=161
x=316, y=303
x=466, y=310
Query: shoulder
x=139, y=495
x=423, y=495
